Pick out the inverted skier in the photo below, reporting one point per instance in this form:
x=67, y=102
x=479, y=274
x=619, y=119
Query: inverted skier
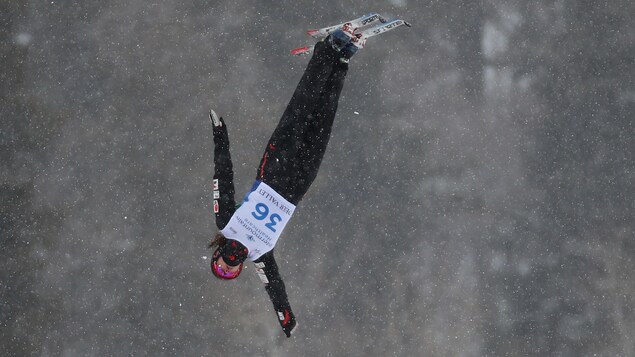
x=289, y=165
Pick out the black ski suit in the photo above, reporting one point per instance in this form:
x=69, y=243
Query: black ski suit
x=291, y=159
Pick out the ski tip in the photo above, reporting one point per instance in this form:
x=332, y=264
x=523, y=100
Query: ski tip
x=302, y=50
x=407, y=23
x=313, y=33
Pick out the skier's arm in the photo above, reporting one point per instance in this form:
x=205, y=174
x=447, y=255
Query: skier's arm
x=268, y=272
x=224, y=203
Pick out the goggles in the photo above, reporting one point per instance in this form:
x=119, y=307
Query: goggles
x=221, y=273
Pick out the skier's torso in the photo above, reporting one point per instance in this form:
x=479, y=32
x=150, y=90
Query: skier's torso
x=259, y=220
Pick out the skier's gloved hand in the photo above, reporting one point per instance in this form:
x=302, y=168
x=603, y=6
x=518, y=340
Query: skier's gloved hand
x=287, y=321
x=218, y=122
x=220, y=129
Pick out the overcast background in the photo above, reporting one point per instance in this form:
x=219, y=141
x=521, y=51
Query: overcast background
x=476, y=198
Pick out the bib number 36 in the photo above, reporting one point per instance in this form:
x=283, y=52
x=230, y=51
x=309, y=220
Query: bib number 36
x=262, y=212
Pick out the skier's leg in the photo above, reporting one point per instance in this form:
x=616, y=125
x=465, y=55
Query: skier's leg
x=317, y=137
x=305, y=97
x=280, y=160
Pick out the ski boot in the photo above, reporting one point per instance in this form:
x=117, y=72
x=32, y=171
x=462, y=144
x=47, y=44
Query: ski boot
x=343, y=42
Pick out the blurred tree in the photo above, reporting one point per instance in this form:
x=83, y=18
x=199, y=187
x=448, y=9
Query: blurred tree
x=573, y=56
x=26, y=226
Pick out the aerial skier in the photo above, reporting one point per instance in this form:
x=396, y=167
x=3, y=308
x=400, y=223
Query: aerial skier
x=289, y=165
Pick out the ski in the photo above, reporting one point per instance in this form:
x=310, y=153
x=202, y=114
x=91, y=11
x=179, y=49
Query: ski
x=349, y=26
x=353, y=29
x=302, y=50
x=360, y=39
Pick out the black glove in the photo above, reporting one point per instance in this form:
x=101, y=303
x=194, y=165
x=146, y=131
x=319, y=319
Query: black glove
x=287, y=321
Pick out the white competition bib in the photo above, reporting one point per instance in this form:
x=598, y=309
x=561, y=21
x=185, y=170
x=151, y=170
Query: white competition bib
x=259, y=221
